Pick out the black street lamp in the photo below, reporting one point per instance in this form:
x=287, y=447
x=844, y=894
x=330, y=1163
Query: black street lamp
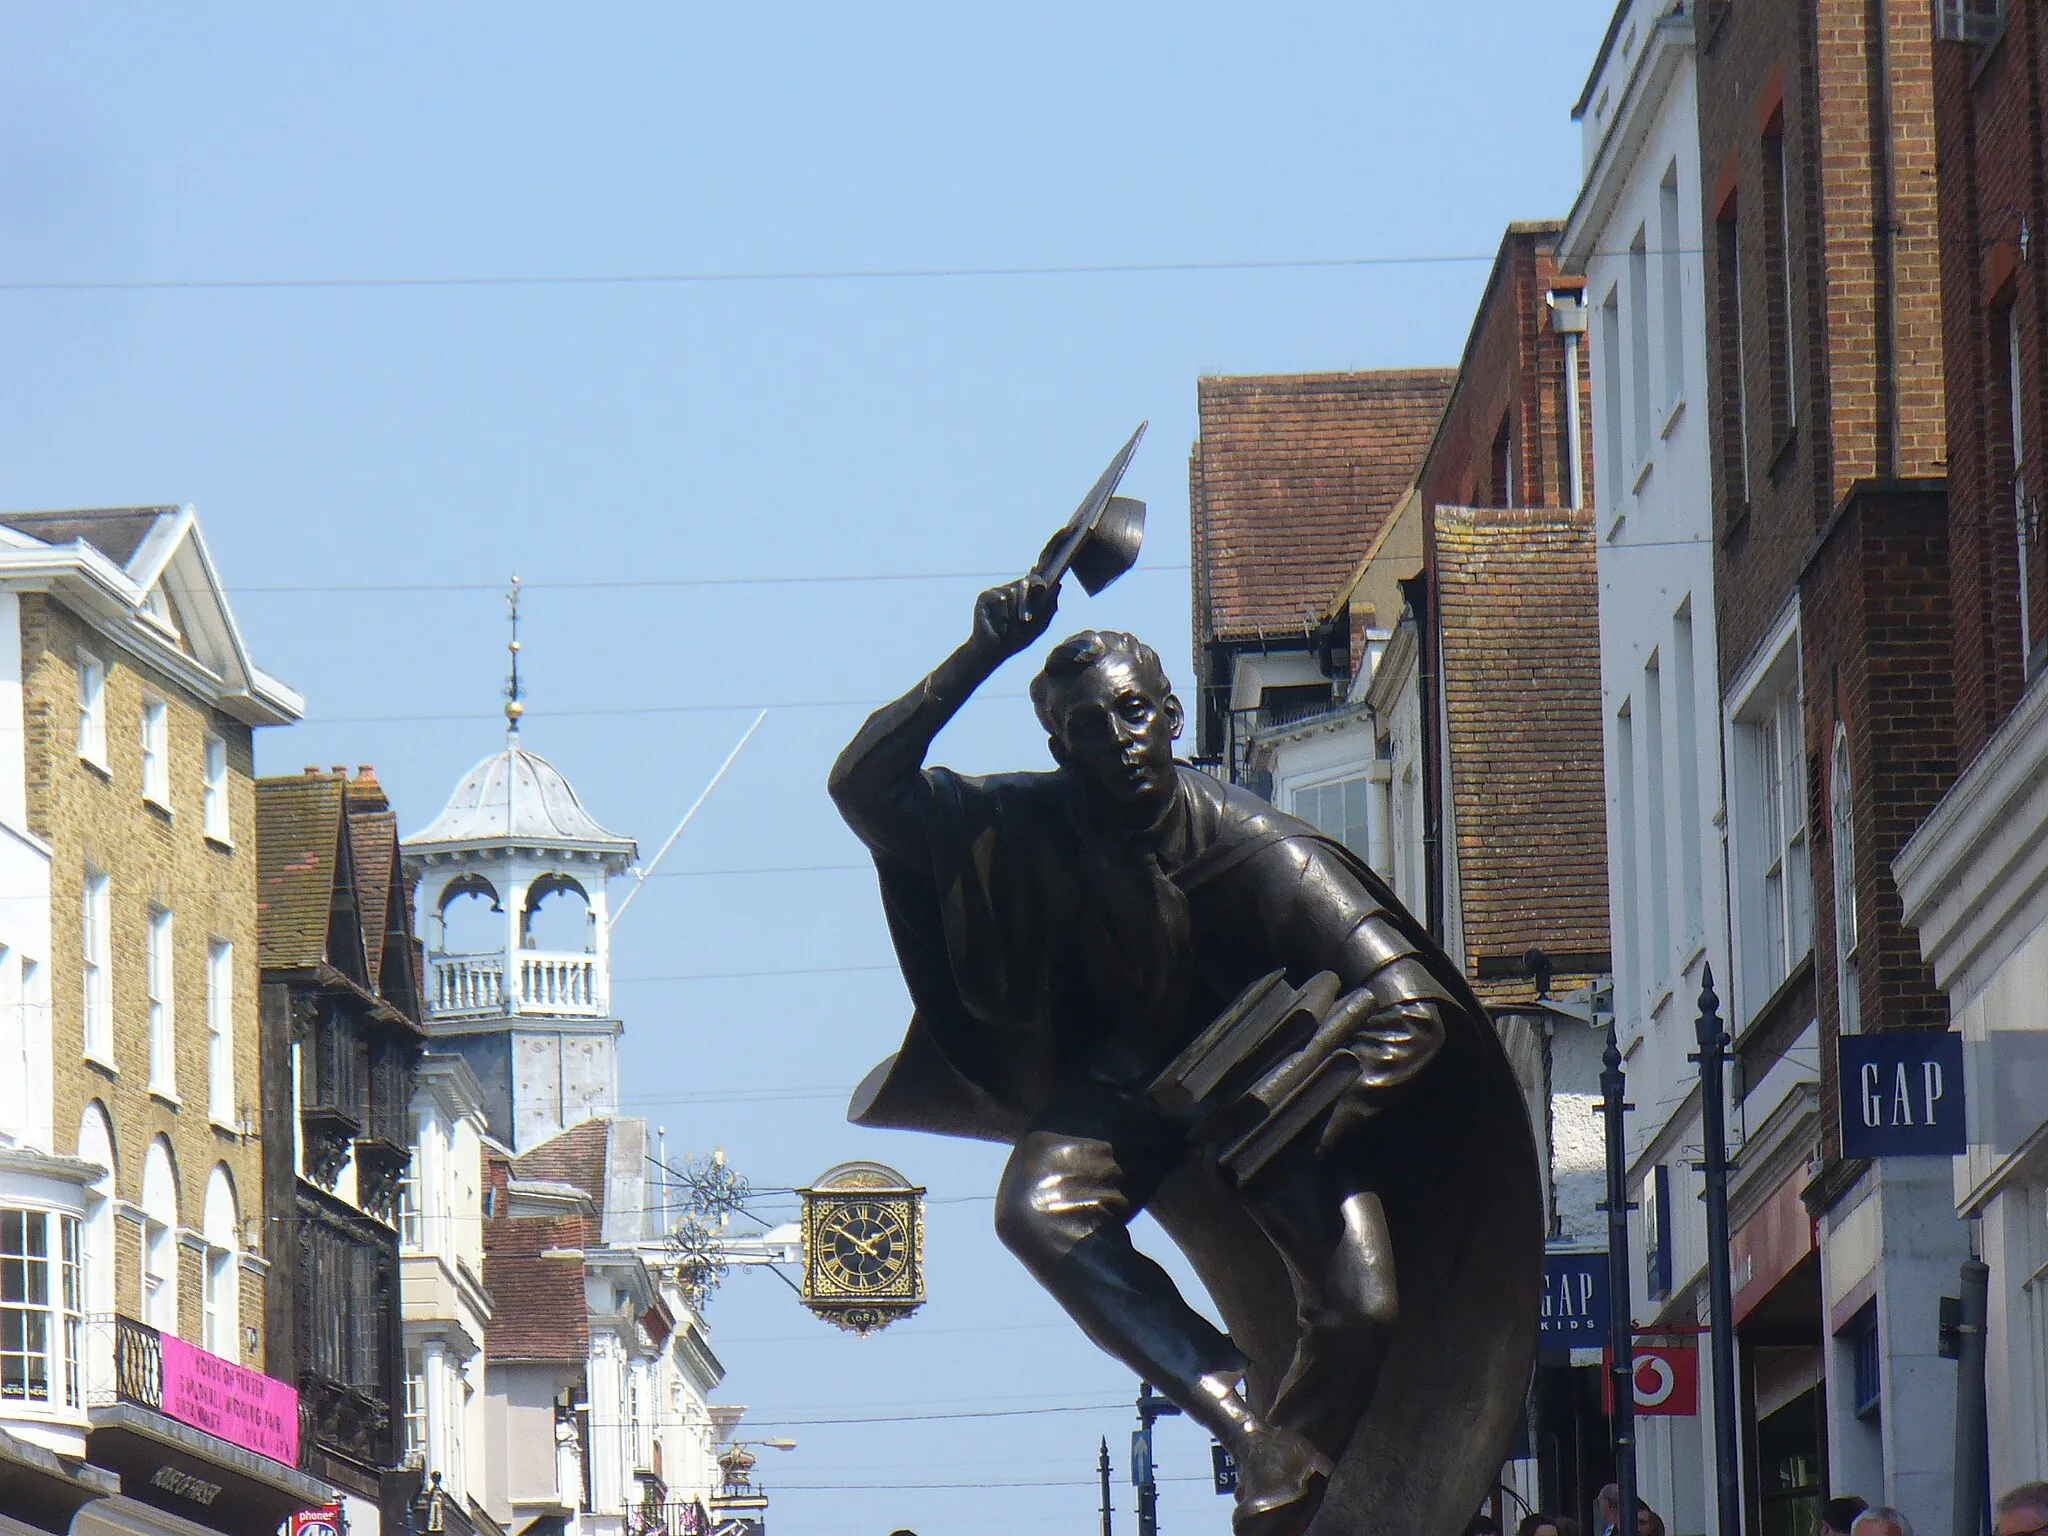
x=1712, y=1058
x=1620, y=1318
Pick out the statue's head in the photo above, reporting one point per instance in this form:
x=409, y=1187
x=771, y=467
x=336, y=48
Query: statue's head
x=1112, y=718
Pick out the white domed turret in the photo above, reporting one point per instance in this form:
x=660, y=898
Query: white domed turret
x=524, y=1002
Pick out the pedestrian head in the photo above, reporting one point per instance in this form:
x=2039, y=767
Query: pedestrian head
x=1104, y=701
x=1482, y=1525
x=1568, y=1526
x=1648, y=1521
x=2023, y=1511
x=1607, y=1507
x=1538, y=1525
x=1881, y=1521
x=1837, y=1515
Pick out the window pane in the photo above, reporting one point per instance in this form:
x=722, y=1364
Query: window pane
x=1354, y=815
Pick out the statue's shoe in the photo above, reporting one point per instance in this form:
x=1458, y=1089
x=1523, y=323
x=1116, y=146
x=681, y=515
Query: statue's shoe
x=1280, y=1478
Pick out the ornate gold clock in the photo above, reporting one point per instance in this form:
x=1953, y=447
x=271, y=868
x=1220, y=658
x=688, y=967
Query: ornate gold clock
x=863, y=1236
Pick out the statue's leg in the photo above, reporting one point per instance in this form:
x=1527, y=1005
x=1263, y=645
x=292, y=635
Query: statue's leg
x=1333, y=1237
x=1064, y=1208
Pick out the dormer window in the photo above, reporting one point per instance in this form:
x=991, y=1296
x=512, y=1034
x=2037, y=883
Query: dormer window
x=156, y=607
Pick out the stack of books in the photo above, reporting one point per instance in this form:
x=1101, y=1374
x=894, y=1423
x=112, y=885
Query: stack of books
x=1267, y=1070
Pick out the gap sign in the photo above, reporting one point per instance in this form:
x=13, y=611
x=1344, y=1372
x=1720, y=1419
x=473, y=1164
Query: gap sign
x=1902, y=1093
x=1574, y=1301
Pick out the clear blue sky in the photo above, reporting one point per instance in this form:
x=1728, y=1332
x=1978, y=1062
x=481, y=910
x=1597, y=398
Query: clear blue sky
x=447, y=436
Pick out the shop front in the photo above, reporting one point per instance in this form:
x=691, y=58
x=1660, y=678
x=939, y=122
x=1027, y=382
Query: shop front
x=199, y=1443
x=1775, y=1268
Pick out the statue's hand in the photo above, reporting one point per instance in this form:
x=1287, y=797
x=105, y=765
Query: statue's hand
x=1007, y=619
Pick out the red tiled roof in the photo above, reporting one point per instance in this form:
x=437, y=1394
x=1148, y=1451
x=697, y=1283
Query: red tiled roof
x=1518, y=605
x=298, y=838
x=533, y=1270
x=1290, y=479
x=576, y=1156
x=537, y=1304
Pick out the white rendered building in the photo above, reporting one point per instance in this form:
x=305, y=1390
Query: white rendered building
x=1634, y=234
x=446, y=1309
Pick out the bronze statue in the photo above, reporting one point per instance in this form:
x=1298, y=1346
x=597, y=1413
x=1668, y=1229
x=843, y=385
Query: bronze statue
x=1066, y=936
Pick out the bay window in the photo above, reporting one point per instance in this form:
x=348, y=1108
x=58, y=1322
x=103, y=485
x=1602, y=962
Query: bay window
x=42, y=1308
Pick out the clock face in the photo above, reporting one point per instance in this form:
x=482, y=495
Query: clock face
x=863, y=1247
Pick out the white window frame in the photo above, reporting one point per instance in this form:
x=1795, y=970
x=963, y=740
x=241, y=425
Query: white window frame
x=156, y=751
x=163, y=1063
x=51, y=1307
x=220, y=1032
x=92, y=708
x=1627, y=899
x=1336, y=778
x=159, y=1250
x=1773, y=900
x=96, y=905
x=1842, y=860
x=214, y=790
x=2015, y=385
x=415, y=1413
x=1671, y=279
x=217, y=1323
x=1641, y=397
x=1659, y=972
x=1609, y=411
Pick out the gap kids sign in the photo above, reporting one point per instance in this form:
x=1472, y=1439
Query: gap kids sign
x=240, y=1406
x=1902, y=1094
x=1574, y=1301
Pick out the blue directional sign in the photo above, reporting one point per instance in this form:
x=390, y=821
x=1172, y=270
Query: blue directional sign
x=1223, y=1467
x=1574, y=1301
x=1902, y=1094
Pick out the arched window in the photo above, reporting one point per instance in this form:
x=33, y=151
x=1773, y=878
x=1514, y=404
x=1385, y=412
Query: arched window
x=1842, y=850
x=96, y=1145
x=471, y=918
x=557, y=916
x=160, y=1237
x=221, y=1312
x=96, y=1249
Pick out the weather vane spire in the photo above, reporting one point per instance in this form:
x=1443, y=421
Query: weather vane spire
x=514, y=694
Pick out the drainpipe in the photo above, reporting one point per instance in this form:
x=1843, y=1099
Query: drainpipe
x=1885, y=247
x=1568, y=320
x=1416, y=590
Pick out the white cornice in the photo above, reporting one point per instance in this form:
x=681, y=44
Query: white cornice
x=1974, y=878
x=111, y=602
x=1669, y=44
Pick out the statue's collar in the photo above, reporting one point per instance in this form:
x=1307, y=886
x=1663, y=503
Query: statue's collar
x=1167, y=838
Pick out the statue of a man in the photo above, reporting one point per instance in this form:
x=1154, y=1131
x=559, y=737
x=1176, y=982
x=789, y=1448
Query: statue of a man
x=1064, y=935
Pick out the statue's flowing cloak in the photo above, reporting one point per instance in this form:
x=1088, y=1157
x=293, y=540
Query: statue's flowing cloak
x=1451, y=1155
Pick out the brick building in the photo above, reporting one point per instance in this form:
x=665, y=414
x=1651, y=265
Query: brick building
x=1505, y=704
x=1291, y=482
x=135, y=1186
x=1969, y=878
x=1397, y=636
x=341, y=1041
x=1826, y=410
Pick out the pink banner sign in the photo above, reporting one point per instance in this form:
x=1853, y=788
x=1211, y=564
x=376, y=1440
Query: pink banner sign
x=240, y=1406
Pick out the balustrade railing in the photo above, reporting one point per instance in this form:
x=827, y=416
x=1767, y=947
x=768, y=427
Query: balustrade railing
x=123, y=1362
x=543, y=982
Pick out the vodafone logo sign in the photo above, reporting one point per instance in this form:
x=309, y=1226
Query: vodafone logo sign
x=1655, y=1382
x=1667, y=1380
